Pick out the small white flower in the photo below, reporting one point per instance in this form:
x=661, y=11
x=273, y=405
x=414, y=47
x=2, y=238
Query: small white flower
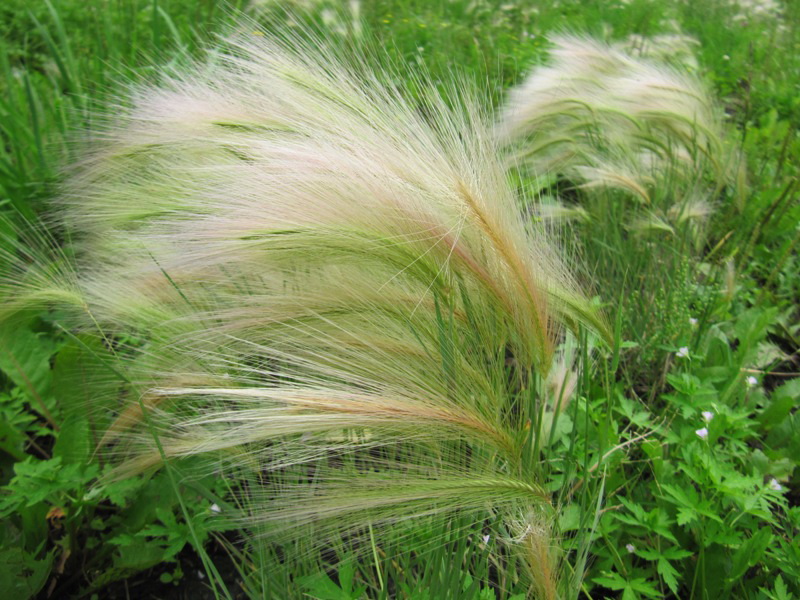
x=486, y=538
x=774, y=485
x=707, y=416
x=725, y=57
x=702, y=433
x=630, y=548
x=683, y=352
x=751, y=381
x=692, y=321
x=215, y=508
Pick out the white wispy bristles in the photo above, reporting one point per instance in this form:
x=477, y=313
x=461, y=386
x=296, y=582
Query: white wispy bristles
x=606, y=118
x=324, y=277
x=755, y=9
x=668, y=48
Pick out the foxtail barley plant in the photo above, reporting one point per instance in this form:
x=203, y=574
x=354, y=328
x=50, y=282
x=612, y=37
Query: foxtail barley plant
x=324, y=288
x=606, y=118
x=631, y=150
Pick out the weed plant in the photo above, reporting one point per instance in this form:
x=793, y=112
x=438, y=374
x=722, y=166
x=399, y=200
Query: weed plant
x=630, y=152
x=311, y=316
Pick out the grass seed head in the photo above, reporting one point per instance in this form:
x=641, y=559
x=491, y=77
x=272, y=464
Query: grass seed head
x=321, y=275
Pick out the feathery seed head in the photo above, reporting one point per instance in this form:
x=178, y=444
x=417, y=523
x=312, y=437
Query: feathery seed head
x=606, y=118
x=320, y=277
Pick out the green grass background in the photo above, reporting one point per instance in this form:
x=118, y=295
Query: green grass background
x=681, y=516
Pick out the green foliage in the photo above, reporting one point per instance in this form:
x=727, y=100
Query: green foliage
x=320, y=586
x=654, y=497
x=712, y=508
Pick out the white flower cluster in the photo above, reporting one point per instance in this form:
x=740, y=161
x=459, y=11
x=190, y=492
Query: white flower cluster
x=708, y=416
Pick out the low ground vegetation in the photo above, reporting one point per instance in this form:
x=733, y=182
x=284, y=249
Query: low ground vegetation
x=614, y=335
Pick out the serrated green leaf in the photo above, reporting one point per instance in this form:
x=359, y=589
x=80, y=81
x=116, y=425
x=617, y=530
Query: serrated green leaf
x=668, y=574
x=674, y=553
x=781, y=591
x=648, y=554
x=629, y=594
x=612, y=581
x=346, y=573
x=644, y=587
x=685, y=516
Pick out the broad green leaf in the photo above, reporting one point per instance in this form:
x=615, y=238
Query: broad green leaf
x=73, y=444
x=137, y=554
x=25, y=359
x=784, y=399
x=23, y=576
x=569, y=518
x=12, y=440
x=749, y=553
x=321, y=587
